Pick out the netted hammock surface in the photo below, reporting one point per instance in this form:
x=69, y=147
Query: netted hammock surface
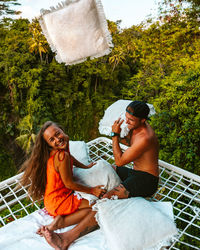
x=178, y=186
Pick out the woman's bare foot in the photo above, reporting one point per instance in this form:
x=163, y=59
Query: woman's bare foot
x=57, y=241
x=56, y=224
x=39, y=231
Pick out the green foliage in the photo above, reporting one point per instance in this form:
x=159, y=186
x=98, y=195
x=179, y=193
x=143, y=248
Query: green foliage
x=18, y=212
x=168, y=77
x=8, y=167
x=178, y=122
x=38, y=43
x=156, y=62
x=27, y=137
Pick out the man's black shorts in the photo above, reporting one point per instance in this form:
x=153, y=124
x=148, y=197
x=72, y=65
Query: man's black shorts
x=138, y=183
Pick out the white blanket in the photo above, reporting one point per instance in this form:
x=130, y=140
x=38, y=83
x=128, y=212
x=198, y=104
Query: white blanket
x=21, y=234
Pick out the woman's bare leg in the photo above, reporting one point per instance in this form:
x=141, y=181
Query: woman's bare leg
x=71, y=219
x=63, y=240
x=61, y=221
x=68, y=220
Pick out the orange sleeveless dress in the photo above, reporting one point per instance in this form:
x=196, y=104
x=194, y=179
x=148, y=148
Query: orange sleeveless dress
x=58, y=200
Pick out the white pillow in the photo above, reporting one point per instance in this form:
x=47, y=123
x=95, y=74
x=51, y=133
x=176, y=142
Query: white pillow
x=76, y=30
x=115, y=111
x=134, y=223
x=80, y=151
x=101, y=173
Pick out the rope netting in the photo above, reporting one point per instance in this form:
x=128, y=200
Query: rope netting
x=176, y=185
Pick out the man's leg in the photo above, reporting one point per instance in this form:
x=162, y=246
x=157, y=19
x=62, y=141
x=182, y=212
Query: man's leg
x=123, y=172
x=120, y=191
x=61, y=221
x=63, y=240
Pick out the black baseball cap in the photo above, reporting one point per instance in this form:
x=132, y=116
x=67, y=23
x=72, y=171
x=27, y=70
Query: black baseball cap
x=138, y=109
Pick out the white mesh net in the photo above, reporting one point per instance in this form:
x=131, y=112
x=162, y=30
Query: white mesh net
x=180, y=187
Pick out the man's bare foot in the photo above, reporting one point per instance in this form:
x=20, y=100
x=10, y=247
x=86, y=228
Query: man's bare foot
x=55, y=240
x=119, y=191
x=56, y=224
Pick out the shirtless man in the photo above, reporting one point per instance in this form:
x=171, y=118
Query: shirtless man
x=140, y=181
x=143, y=151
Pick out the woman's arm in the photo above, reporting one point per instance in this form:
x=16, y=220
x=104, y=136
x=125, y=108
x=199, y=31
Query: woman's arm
x=64, y=168
x=81, y=165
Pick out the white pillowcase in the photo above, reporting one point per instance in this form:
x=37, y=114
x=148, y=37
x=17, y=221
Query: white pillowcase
x=115, y=111
x=76, y=30
x=135, y=223
x=101, y=173
x=80, y=151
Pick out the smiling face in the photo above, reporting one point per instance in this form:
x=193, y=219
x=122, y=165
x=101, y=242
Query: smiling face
x=56, y=138
x=133, y=122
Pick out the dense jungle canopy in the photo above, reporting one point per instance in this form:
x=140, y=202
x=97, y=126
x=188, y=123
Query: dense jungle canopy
x=157, y=61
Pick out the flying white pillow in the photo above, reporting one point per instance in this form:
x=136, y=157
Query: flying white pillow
x=76, y=30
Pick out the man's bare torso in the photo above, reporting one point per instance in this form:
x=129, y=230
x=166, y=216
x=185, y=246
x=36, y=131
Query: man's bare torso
x=147, y=161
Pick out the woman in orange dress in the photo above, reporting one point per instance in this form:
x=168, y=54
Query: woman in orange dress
x=50, y=170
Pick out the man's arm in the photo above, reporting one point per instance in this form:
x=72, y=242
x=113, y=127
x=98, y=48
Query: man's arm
x=117, y=152
x=125, y=141
x=134, y=152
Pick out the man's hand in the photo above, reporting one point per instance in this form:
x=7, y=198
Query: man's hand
x=99, y=191
x=116, y=127
x=119, y=191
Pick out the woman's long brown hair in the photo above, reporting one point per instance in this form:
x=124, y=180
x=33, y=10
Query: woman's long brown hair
x=35, y=167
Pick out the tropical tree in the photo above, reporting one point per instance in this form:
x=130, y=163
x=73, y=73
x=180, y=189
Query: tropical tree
x=169, y=8
x=5, y=7
x=157, y=62
x=19, y=73
x=168, y=77
x=27, y=135
x=38, y=42
x=117, y=57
